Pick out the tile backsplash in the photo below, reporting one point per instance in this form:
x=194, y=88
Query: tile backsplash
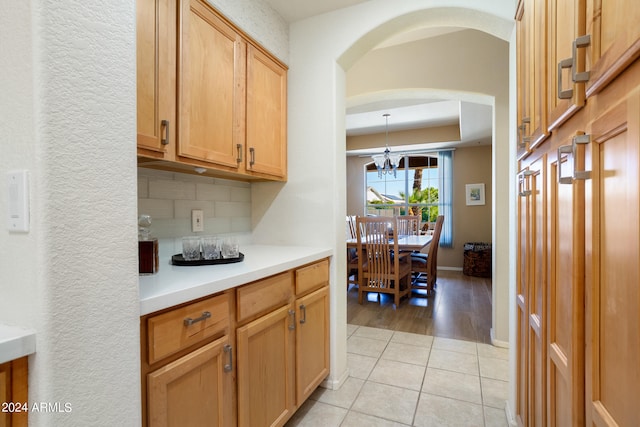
x=169, y=198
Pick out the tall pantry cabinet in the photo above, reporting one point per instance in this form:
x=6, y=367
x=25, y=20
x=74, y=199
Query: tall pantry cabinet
x=577, y=292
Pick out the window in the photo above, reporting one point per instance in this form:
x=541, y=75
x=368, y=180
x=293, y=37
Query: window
x=422, y=186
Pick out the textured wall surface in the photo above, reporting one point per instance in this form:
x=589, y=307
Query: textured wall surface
x=72, y=70
x=169, y=198
x=258, y=20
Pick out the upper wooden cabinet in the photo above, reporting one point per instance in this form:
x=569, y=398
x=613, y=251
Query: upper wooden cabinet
x=211, y=71
x=156, y=78
x=208, y=96
x=531, y=63
x=266, y=115
x=615, y=40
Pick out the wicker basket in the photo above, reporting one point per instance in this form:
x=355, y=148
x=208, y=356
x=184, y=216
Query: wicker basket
x=477, y=259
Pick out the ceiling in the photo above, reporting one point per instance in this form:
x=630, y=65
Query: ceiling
x=475, y=120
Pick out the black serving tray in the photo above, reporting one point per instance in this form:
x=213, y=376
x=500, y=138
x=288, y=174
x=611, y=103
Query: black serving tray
x=178, y=259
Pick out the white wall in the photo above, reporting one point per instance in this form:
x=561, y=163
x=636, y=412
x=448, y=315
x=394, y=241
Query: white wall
x=312, y=203
x=68, y=116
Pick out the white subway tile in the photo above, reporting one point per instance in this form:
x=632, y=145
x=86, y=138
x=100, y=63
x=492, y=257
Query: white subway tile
x=242, y=224
x=241, y=194
x=158, y=209
x=233, y=209
x=232, y=183
x=183, y=208
x=143, y=187
x=174, y=190
x=213, y=192
x=217, y=225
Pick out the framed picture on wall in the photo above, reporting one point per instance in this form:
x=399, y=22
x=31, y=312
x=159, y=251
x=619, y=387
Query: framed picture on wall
x=475, y=194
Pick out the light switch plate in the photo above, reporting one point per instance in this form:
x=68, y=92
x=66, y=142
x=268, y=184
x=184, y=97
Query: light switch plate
x=197, y=220
x=18, y=203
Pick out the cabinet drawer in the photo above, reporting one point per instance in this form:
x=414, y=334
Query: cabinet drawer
x=264, y=295
x=178, y=329
x=312, y=277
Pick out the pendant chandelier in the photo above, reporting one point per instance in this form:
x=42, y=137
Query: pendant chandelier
x=386, y=162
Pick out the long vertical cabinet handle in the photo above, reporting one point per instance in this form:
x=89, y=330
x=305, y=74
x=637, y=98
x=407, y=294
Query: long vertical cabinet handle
x=582, y=41
x=292, y=325
x=523, y=188
x=303, y=309
x=521, y=134
x=564, y=94
x=572, y=150
x=576, y=77
x=239, y=158
x=252, y=153
x=229, y=350
x=165, y=124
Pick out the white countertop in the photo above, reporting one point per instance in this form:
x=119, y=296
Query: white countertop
x=16, y=342
x=174, y=285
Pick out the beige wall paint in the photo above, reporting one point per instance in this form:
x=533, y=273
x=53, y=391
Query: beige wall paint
x=470, y=223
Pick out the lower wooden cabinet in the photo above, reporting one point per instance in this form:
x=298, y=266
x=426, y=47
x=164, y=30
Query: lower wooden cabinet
x=265, y=374
x=13, y=392
x=312, y=342
x=249, y=356
x=195, y=390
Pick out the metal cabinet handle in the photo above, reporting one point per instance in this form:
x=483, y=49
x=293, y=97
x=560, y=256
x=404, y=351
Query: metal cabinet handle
x=303, y=309
x=564, y=149
x=572, y=149
x=564, y=94
x=229, y=366
x=522, y=143
x=165, y=140
x=239, y=147
x=252, y=160
x=292, y=325
x=523, y=189
x=189, y=321
x=582, y=41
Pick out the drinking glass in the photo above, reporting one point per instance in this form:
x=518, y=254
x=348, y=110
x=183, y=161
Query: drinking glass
x=230, y=248
x=211, y=247
x=191, y=248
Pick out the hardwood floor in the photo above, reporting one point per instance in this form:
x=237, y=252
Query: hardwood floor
x=460, y=309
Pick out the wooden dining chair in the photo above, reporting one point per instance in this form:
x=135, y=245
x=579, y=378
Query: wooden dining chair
x=425, y=266
x=408, y=225
x=352, y=253
x=382, y=267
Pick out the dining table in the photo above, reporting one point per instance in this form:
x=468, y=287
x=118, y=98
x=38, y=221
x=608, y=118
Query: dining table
x=405, y=243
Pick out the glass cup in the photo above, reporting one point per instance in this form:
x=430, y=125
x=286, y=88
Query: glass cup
x=230, y=247
x=191, y=248
x=211, y=247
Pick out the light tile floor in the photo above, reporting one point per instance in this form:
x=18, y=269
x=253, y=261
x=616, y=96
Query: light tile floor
x=403, y=379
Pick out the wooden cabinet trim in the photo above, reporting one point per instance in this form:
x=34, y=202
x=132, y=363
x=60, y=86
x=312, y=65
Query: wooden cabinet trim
x=168, y=334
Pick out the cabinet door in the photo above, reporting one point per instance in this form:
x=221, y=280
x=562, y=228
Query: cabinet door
x=537, y=295
x=312, y=342
x=266, y=369
x=195, y=390
x=566, y=23
x=522, y=298
x=210, y=87
x=566, y=286
x=613, y=250
x=266, y=115
x=156, y=78
x=615, y=40
x=531, y=33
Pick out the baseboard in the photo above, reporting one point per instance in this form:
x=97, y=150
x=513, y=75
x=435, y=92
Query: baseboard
x=511, y=419
x=450, y=268
x=496, y=342
x=332, y=384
